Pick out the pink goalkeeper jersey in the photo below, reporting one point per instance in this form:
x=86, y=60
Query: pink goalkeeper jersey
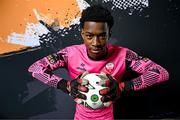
x=76, y=60
x=79, y=62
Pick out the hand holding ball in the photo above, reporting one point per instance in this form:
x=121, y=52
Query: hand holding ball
x=93, y=98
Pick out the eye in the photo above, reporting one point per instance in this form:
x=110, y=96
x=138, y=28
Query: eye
x=89, y=36
x=103, y=36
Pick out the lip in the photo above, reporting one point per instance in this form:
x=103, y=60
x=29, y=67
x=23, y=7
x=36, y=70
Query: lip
x=95, y=51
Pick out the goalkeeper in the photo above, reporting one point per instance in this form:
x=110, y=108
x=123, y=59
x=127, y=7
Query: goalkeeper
x=94, y=56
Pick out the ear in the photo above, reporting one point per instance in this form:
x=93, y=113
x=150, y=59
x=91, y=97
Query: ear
x=110, y=33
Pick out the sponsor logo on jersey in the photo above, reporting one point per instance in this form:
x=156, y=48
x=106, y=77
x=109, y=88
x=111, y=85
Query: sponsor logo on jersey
x=82, y=65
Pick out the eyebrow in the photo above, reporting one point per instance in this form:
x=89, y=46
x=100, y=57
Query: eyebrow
x=88, y=33
x=99, y=33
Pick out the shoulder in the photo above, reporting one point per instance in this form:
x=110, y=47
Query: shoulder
x=129, y=53
x=116, y=48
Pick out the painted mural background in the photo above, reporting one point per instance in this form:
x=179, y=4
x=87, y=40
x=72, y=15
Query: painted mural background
x=31, y=29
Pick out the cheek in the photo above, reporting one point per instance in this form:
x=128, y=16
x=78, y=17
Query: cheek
x=87, y=43
x=103, y=42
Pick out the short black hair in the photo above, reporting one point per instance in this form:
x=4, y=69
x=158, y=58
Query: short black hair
x=96, y=13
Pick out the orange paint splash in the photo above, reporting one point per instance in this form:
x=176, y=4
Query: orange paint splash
x=14, y=15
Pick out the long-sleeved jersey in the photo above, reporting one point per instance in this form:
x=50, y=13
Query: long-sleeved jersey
x=118, y=60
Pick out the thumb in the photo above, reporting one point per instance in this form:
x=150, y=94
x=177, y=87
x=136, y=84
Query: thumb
x=107, y=104
x=78, y=100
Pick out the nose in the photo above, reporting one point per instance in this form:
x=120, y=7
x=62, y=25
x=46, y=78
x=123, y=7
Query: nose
x=96, y=41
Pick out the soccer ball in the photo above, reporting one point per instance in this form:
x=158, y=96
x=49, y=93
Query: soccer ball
x=93, y=100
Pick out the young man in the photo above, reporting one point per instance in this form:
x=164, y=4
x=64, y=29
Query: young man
x=95, y=56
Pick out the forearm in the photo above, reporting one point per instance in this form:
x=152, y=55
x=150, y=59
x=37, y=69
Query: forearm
x=150, y=72
x=152, y=75
x=42, y=74
x=42, y=70
x=155, y=74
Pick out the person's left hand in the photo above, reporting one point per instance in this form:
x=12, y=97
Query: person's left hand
x=112, y=92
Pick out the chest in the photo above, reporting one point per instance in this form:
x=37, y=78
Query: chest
x=114, y=65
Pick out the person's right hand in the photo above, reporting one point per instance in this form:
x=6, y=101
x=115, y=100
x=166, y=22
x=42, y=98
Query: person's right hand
x=75, y=86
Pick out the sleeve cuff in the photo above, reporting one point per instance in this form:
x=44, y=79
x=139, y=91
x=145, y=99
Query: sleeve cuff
x=62, y=85
x=127, y=86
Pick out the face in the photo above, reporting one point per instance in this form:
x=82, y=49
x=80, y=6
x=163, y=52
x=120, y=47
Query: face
x=95, y=36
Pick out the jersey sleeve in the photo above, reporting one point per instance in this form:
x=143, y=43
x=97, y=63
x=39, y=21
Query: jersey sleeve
x=150, y=72
x=43, y=68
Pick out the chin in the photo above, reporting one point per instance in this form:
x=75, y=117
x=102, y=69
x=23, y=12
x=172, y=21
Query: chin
x=96, y=56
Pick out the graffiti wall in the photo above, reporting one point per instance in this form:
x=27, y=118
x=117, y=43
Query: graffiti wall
x=20, y=20
x=32, y=29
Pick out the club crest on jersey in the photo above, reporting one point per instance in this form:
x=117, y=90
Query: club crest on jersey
x=109, y=67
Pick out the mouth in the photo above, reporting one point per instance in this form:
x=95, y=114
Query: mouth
x=96, y=50
x=97, y=53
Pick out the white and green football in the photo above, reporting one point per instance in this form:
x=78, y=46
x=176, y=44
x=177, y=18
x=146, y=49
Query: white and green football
x=93, y=100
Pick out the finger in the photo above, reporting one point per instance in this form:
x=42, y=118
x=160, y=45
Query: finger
x=102, y=76
x=113, y=96
x=74, y=84
x=82, y=96
x=78, y=100
x=83, y=88
x=104, y=91
x=106, y=98
x=112, y=88
x=76, y=94
x=68, y=86
x=73, y=94
x=109, y=76
x=74, y=91
x=84, y=74
x=104, y=83
x=107, y=104
x=82, y=81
